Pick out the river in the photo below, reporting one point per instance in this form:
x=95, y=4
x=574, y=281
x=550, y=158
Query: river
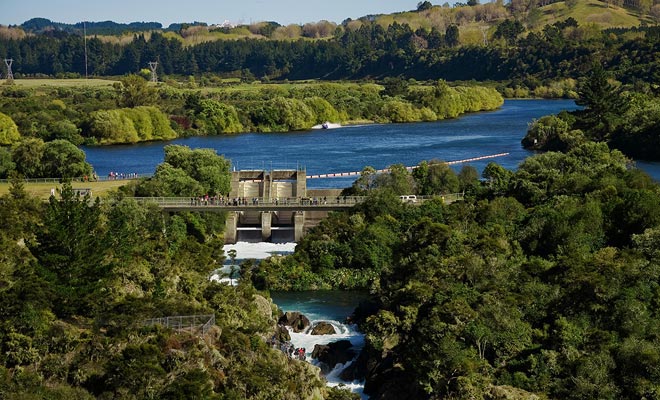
x=352, y=148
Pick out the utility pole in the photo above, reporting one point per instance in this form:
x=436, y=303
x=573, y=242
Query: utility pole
x=153, y=65
x=10, y=76
x=85, y=38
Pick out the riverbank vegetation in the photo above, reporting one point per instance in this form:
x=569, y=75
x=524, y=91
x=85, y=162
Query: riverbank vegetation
x=543, y=282
x=134, y=111
x=624, y=118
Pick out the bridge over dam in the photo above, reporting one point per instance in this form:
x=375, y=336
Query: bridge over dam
x=260, y=218
x=275, y=205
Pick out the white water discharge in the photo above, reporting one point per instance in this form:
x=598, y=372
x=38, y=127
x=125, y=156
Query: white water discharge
x=244, y=251
x=262, y=250
x=344, y=332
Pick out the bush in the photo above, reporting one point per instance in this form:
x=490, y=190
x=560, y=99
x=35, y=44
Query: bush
x=8, y=130
x=130, y=125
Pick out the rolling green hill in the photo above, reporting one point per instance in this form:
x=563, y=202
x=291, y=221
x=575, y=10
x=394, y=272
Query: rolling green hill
x=592, y=12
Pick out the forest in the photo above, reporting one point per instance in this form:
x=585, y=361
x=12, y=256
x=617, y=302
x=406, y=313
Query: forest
x=521, y=56
x=542, y=282
x=79, y=278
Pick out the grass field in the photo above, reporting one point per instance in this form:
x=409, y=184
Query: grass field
x=591, y=11
x=35, y=83
x=42, y=190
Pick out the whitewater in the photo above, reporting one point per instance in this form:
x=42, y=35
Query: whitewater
x=313, y=310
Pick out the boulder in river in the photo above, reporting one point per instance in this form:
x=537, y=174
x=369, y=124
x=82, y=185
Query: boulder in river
x=297, y=321
x=282, y=334
x=333, y=353
x=323, y=328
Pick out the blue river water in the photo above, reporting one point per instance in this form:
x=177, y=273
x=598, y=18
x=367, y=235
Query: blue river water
x=351, y=148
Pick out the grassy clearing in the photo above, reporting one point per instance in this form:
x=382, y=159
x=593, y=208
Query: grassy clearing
x=42, y=190
x=36, y=83
x=591, y=11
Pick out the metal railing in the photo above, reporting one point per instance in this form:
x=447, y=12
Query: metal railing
x=186, y=323
x=250, y=202
x=259, y=202
x=127, y=177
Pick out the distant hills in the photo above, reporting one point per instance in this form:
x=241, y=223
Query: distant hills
x=43, y=25
x=468, y=18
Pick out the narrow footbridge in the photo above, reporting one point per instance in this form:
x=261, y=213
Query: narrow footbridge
x=216, y=204
x=252, y=204
x=270, y=216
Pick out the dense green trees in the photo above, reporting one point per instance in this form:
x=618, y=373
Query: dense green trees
x=450, y=102
x=79, y=278
x=130, y=125
x=625, y=119
x=360, y=49
x=135, y=91
x=218, y=118
x=91, y=116
x=33, y=158
x=187, y=172
x=541, y=283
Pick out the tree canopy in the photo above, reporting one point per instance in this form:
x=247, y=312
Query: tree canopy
x=8, y=130
x=539, y=283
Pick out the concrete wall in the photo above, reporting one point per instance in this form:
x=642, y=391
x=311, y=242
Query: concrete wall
x=276, y=184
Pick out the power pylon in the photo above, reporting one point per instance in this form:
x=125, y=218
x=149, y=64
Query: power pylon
x=153, y=65
x=10, y=76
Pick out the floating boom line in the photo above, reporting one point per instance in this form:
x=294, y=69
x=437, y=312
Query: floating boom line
x=386, y=170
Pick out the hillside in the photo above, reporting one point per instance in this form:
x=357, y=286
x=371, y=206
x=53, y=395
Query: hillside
x=592, y=12
x=476, y=23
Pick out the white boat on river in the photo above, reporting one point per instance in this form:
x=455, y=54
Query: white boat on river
x=327, y=125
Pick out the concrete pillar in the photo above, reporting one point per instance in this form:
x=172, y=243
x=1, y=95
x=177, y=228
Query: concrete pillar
x=266, y=187
x=298, y=225
x=266, y=219
x=231, y=233
x=301, y=184
x=235, y=183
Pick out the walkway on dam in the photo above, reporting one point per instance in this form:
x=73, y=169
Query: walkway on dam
x=252, y=204
x=264, y=204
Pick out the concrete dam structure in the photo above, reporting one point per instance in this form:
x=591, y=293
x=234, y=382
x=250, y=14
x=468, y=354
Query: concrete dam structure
x=287, y=222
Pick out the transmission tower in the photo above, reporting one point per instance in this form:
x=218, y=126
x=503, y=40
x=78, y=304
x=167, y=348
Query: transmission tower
x=153, y=65
x=10, y=76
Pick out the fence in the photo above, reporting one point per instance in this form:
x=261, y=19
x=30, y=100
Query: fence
x=126, y=177
x=187, y=323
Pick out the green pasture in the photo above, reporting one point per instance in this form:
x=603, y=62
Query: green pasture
x=37, y=83
x=591, y=11
x=42, y=189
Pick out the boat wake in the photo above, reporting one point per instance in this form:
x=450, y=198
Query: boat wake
x=327, y=125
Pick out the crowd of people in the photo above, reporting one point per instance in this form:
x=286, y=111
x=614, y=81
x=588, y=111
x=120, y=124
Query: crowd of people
x=216, y=200
x=219, y=200
x=294, y=353
x=121, y=175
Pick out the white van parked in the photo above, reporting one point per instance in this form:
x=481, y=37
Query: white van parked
x=408, y=198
